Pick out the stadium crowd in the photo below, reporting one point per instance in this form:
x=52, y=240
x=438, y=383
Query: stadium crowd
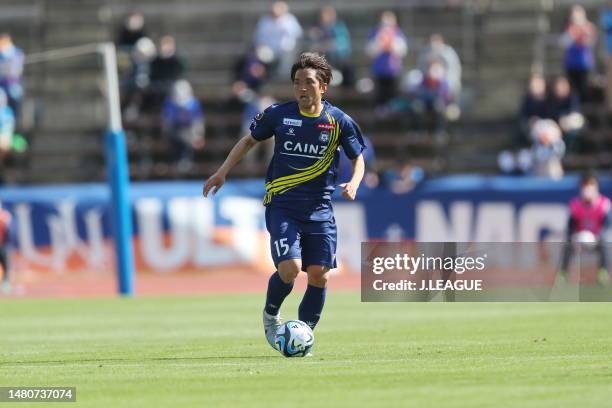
x=550, y=119
x=154, y=76
x=426, y=96
x=11, y=95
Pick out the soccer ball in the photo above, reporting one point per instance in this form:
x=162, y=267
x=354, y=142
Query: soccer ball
x=294, y=339
x=585, y=240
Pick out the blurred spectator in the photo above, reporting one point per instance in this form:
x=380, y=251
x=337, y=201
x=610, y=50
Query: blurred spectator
x=276, y=38
x=165, y=69
x=139, y=77
x=403, y=177
x=331, y=38
x=251, y=71
x=518, y=164
x=11, y=70
x=439, y=51
x=433, y=97
x=7, y=126
x=578, y=41
x=606, y=25
x=533, y=107
x=548, y=149
x=588, y=221
x=564, y=108
x=183, y=125
x=132, y=30
x=141, y=57
x=5, y=222
x=387, y=46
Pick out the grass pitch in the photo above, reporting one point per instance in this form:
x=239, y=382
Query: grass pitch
x=210, y=351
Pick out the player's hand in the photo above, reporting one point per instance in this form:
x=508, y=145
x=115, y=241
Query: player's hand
x=349, y=191
x=213, y=184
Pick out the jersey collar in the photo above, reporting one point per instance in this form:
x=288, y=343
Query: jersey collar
x=312, y=115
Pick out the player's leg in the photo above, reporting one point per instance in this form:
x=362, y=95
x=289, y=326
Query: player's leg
x=318, y=257
x=286, y=251
x=314, y=298
x=280, y=284
x=5, y=264
x=566, y=257
x=603, y=274
x=279, y=287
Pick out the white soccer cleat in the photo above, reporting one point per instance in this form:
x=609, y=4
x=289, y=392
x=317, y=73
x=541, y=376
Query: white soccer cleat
x=271, y=324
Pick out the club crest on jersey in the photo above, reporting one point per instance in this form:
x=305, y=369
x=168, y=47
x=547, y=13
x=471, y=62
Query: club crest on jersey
x=324, y=137
x=292, y=122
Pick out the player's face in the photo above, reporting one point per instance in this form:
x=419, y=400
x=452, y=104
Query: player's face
x=590, y=190
x=307, y=88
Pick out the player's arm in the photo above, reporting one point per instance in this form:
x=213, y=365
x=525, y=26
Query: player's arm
x=239, y=150
x=350, y=189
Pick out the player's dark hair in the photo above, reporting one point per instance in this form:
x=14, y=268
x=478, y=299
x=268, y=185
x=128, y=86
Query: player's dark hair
x=316, y=62
x=588, y=176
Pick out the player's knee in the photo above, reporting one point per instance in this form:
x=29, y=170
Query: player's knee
x=289, y=270
x=317, y=275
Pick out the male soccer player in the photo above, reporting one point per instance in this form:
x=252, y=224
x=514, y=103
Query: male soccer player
x=5, y=220
x=308, y=134
x=590, y=217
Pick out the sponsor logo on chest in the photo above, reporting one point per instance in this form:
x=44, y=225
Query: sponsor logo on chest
x=304, y=148
x=292, y=122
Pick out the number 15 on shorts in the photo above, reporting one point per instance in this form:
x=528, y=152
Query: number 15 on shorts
x=281, y=246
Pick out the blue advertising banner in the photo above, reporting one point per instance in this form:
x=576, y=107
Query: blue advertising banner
x=68, y=226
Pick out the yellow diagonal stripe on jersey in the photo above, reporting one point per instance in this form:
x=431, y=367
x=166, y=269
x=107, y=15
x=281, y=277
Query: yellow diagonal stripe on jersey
x=285, y=183
x=321, y=164
x=314, y=167
x=308, y=169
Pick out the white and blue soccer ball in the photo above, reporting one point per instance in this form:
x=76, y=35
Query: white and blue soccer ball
x=294, y=339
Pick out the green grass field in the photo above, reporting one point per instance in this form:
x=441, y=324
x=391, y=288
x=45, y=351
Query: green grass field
x=210, y=351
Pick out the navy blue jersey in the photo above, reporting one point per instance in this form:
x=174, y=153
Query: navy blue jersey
x=304, y=167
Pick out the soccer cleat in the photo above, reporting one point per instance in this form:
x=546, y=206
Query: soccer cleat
x=271, y=324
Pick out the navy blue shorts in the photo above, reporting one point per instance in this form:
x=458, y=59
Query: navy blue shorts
x=314, y=242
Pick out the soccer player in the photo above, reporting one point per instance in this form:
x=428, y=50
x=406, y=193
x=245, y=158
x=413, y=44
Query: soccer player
x=308, y=134
x=590, y=217
x=5, y=220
